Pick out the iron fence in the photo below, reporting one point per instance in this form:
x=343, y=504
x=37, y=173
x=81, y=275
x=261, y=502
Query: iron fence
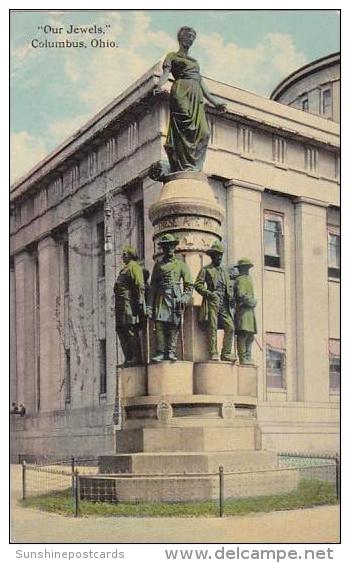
x=316, y=477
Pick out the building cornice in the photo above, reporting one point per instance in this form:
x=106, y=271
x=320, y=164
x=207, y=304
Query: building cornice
x=101, y=121
x=302, y=72
x=242, y=106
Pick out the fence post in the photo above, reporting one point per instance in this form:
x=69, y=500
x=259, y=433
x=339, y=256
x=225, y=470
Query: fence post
x=221, y=490
x=24, y=484
x=77, y=494
x=337, y=475
x=73, y=477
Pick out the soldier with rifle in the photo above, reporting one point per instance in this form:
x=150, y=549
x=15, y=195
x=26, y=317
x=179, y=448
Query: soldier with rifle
x=217, y=309
x=130, y=310
x=171, y=290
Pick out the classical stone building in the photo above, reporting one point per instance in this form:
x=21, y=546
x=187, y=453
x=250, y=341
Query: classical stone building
x=274, y=170
x=314, y=87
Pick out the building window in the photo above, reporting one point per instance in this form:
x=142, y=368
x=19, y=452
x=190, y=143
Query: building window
x=327, y=103
x=37, y=331
x=245, y=140
x=75, y=175
x=92, y=163
x=67, y=377
x=101, y=258
x=333, y=252
x=103, y=367
x=279, y=150
x=133, y=135
x=337, y=166
x=305, y=104
x=334, y=365
x=273, y=239
x=111, y=150
x=58, y=188
x=311, y=160
x=275, y=360
x=140, y=229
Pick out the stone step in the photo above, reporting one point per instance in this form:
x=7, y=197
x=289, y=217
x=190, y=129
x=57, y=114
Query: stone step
x=177, y=462
x=180, y=488
x=245, y=436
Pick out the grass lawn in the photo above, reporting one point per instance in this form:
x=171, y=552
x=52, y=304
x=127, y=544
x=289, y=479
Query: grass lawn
x=310, y=493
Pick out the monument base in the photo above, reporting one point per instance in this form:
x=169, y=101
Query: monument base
x=186, y=477
x=181, y=421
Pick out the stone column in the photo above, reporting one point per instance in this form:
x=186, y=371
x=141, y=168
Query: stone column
x=244, y=240
x=25, y=330
x=13, y=351
x=311, y=300
x=49, y=326
x=151, y=192
x=81, y=311
x=110, y=275
x=121, y=228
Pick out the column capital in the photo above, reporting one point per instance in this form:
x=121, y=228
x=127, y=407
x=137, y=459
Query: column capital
x=46, y=241
x=147, y=182
x=244, y=184
x=310, y=201
x=78, y=223
x=22, y=256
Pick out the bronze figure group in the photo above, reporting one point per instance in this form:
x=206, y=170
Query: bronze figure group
x=226, y=304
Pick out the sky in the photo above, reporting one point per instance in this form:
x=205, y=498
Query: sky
x=56, y=90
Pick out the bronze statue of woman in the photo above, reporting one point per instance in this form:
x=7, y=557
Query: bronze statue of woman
x=188, y=134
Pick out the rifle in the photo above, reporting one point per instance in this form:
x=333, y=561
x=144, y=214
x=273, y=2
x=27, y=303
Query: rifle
x=148, y=347
x=182, y=339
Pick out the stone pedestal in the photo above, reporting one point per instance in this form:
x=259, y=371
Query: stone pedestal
x=133, y=381
x=215, y=378
x=225, y=378
x=170, y=378
x=187, y=207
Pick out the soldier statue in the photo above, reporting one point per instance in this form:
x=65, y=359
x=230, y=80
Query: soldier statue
x=245, y=317
x=215, y=285
x=129, y=306
x=171, y=289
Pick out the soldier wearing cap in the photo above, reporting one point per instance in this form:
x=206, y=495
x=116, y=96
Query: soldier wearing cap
x=214, y=284
x=171, y=289
x=129, y=305
x=245, y=317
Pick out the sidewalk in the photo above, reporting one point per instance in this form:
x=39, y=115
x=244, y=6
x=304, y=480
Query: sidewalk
x=319, y=525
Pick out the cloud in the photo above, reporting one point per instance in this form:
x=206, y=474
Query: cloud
x=108, y=71
x=258, y=68
x=19, y=57
x=142, y=35
x=26, y=151
x=92, y=78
